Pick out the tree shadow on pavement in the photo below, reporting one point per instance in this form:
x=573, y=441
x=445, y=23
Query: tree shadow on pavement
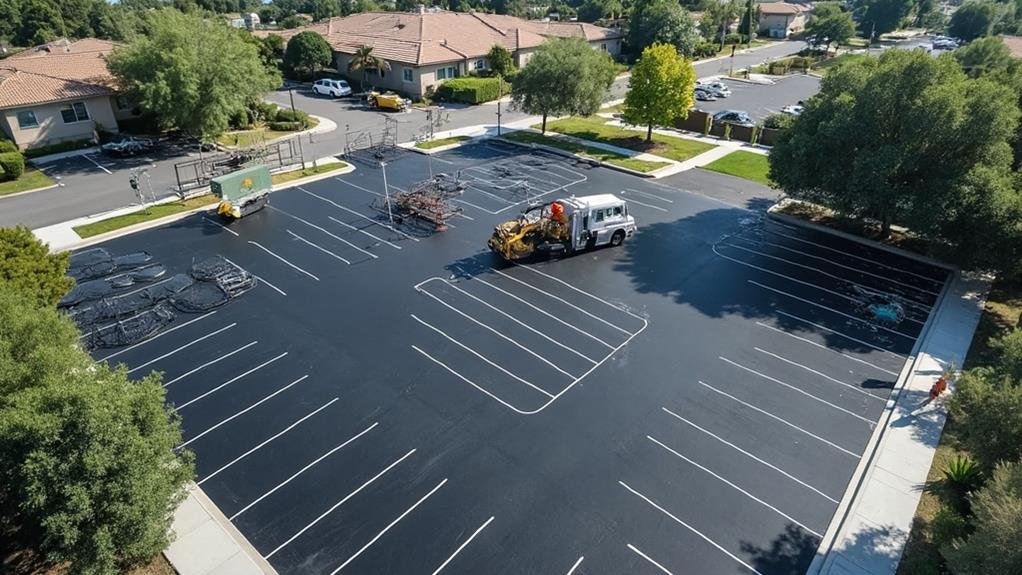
x=791, y=552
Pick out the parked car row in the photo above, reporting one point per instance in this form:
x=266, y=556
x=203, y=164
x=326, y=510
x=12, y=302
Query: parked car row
x=945, y=43
x=710, y=91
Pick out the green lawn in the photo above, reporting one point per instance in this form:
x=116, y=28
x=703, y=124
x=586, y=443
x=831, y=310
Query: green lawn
x=830, y=64
x=250, y=138
x=430, y=144
x=644, y=166
x=154, y=212
x=742, y=164
x=595, y=129
x=615, y=109
x=310, y=171
x=30, y=180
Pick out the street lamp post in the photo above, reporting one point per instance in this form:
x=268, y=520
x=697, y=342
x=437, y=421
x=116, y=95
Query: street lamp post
x=386, y=191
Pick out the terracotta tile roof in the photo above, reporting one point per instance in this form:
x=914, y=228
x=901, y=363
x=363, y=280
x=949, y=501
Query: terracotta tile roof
x=780, y=8
x=1014, y=43
x=436, y=37
x=56, y=72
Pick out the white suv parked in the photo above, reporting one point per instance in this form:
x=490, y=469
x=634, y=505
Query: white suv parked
x=335, y=88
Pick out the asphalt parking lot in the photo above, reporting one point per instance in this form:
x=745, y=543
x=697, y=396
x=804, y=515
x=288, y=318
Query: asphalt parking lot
x=388, y=401
x=762, y=100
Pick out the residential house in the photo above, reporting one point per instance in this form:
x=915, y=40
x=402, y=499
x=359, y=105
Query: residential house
x=59, y=91
x=781, y=19
x=425, y=48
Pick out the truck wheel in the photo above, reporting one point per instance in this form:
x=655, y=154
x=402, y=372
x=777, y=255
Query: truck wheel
x=618, y=238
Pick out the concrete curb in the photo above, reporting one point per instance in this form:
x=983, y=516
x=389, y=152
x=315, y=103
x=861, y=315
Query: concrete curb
x=62, y=155
x=567, y=154
x=16, y=194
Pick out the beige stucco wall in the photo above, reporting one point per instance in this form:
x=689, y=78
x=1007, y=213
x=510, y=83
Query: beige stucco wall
x=789, y=23
x=52, y=128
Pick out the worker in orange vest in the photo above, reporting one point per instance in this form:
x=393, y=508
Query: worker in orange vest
x=938, y=387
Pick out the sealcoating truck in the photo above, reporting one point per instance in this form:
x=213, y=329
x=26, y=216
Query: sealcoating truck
x=563, y=227
x=242, y=192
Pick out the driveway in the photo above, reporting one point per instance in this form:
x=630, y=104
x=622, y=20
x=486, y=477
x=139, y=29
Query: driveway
x=762, y=100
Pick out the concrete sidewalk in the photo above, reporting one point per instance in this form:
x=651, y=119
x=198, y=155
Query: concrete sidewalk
x=871, y=526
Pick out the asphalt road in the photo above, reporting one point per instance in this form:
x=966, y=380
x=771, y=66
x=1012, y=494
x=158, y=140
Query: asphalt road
x=762, y=100
x=391, y=402
x=88, y=189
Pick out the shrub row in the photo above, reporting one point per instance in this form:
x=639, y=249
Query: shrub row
x=472, y=90
x=12, y=164
x=285, y=126
x=57, y=148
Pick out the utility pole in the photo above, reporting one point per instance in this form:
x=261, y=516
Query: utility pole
x=294, y=114
x=386, y=191
x=500, y=96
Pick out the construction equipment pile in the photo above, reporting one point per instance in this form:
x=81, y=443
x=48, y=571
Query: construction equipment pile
x=426, y=203
x=110, y=315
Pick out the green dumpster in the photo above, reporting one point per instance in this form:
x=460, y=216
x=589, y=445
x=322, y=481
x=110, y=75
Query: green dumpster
x=242, y=192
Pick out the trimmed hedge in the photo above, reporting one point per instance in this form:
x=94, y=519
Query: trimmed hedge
x=285, y=126
x=66, y=146
x=12, y=164
x=472, y=90
x=7, y=146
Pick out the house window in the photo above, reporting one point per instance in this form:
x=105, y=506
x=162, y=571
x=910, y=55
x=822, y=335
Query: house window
x=480, y=64
x=603, y=47
x=26, y=120
x=74, y=112
x=406, y=74
x=446, y=73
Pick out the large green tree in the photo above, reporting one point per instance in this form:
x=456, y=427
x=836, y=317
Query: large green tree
x=660, y=88
x=27, y=266
x=993, y=546
x=829, y=25
x=564, y=76
x=363, y=60
x=663, y=21
x=170, y=74
x=86, y=455
x=500, y=60
x=906, y=138
x=717, y=18
x=881, y=16
x=973, y=19
x=306, y=53
x=985, y=56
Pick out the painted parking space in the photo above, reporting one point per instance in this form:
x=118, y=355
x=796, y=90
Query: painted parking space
x=389, y=400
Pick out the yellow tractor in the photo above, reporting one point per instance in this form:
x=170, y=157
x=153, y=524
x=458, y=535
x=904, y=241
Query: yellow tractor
x=387, y=101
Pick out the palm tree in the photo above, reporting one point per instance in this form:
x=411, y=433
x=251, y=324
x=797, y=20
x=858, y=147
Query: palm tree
x=364, y=60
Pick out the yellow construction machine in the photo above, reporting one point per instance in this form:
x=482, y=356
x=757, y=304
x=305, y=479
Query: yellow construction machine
x=387, y=101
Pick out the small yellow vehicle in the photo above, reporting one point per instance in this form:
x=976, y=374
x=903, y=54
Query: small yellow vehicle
x=387, y=101
x=242, y=192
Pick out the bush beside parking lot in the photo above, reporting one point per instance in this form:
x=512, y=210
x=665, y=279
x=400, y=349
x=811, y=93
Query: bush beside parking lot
x=472, y=90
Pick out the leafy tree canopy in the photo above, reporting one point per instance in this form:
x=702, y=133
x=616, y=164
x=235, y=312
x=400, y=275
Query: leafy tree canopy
x=663, y=21
x=500, y=60
x=985, y=56
x=564, y=76
x=306, y=53
x=881, y=16
x=660, y=88
x=907, y=138
x=169, y=72
x=830, y=24
x=27, y=266
x=997, y=520
x=973, y=20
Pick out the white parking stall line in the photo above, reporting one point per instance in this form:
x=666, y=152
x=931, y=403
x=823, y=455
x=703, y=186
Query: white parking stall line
x=830, y=275
x=470, y=204
x=852, y=299
x=469, y=381
x=302, y=470
x=338, y=504
x=689, y=527
x=854, y=388
x=648, y=195
x=361, y=231
x=514, y=319
x=735, y=487
x=838, y=333
x=260, y=246
x=842, y=266
x=575, y=566
x=317, y=246
x=183, y=347
x=264, y=443
x=325, y=231
x=98, y=165
x=813, y=343
x=650, y=559
x=562, y=300
x=494, y=196
x=363, y=216
x=751, y=456
x=246, y=410
x=480, y=356
x=157, y=336
x=830, y=309
x=543, y=311
x=228, y=382
x=209, y=363
x=387, y=528
x=867, y=420
x=867, y=260
x=650, y=206
x=462, y=546
x=494, y=331
x=583, y=292
x=227, y=229
x=261, y=279
x=780, y=419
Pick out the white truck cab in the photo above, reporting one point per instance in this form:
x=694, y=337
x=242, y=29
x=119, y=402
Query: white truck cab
x=598, y=220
